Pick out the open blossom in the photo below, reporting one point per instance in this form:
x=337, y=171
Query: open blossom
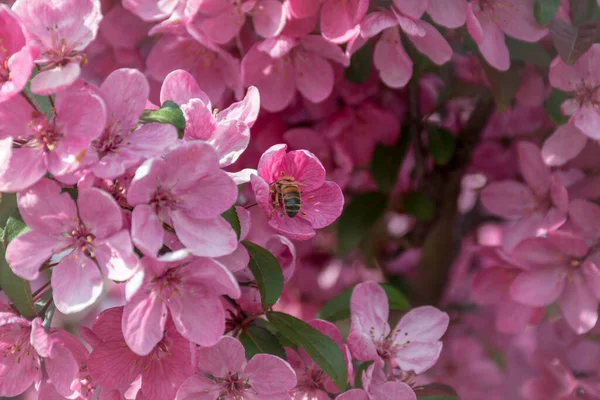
x=223, y=373
x=281, y=65
x=581, y=80
x=16, y=59
x=537, y=206
x=92, y=233
x=60, y=30
x=31, y=145
x=489, y=20
x=186, y=190
x=227, y=130
x=321, y=201
x=122, y=145
x=414, y=345
x=189, y=291
x=113, y=365
x=376, y=387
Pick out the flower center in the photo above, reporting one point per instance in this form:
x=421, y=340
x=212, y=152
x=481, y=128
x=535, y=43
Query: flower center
x=43, y=134
x=110, y=141
x=586, y=95
x=20, y=347
x=310, y=381
x=163, y=199
x=168, y=284
x=82, y=239
x=232, y=386
x=62, y=53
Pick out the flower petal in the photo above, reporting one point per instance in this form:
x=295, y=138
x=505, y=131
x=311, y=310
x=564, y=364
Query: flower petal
x=268, y=374
x=76, y=283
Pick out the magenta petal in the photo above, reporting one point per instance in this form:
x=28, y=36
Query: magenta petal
x=227, y=356
x=338, y=18
x=578, y=304
x=143, y=323
x=534, y=171
x=25, y=167
x=393, y=391
x=198, y=388
x=587, y=119
x=411, y=8
x=305, y=167
x=113, y=365
x=201, y=320
x=353, y=394
x=146, y=230
x=180, y=86
x=539, y=287
x=432, y=44
x=77, y=283
x=62, y=369
x=493, y=45
x=369, y=306
x=293, y=228
x=322, y=206
x=205, y=237
x=449, y=13
x=314, y=76
x=230, y=139
x=508, y=199
x=268, y=17
x=117, y=256
x=394, y=65
x=563, y=145
x=268, y=374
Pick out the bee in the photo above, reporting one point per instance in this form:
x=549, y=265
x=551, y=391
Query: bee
x=287, y=193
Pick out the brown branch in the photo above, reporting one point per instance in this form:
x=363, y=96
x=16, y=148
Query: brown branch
x=415, y=131
x=442, y=241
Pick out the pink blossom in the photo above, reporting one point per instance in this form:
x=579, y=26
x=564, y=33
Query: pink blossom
x=581, y=80
x=190, y=291
x=59, y=40
x=113, y=365
x=224, y=373
x=91, y=230
x=227, y=130
x=321, y=201
x=340, y=17
x=39, y=145
x=152, y=10
x=537, y=206
x=489, y=20
x=559, y=267
x=377, y=387
x=565, y=143
x=16, y=59
x=186, y=190
x=279, y=66
x=221, y=20
x=414, y=345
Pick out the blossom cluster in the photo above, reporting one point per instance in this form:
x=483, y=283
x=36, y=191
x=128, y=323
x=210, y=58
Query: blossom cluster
x=240, y=199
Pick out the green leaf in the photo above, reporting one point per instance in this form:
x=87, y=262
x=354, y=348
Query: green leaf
x=257, y=339
x=17, y=289
x=504, y=85
x=324, y=351
x=360, y=214
x=442, y=145
x=338, y=308
x=266, y=271
x=552, y=106
x=572, y=42
x=419, y=206
x=529, y=52
x=49, y=313
x=545, y=10
x=358, y=373
x=439, y=398
x=386, y=162
x=231, y=216
x=360, y=64
x=169, y=113
x=582, y=11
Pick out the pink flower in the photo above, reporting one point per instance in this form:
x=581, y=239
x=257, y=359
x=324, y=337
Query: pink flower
x=152, y=10
x=189, y=291
x=376, y=387
x=414, y=345
x=279, y=66
x=121, y=145
x=581, y=80
x=113, y=365
x=536, y=207
x=313, y=383
x=186, y=190
x=227, y=130
x=224, y=373
x=489, y=20
x=16, y=59
x=223, y=20
x=560, y=267
x=321, y=201
x=563, y=145
x=340, y=17
x=60, y=30
x=92, y=233
x=33, y=145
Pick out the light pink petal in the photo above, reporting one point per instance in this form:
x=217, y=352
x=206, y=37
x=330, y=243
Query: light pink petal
x=586, y=215
x=5, y=154
x=200, y=319
x=587, y=119
x=55, y=79
x=338, y=18
x=508, y=199
x=143, y=323
x=224, y=26
x=29, y=251
x=369, y=305
x=418, y=356
x=230, y=139
x=412, y=8
x=512, y=317
x=99, y=212
x=563, y=145
x=538, y=252
x=268, y=17
x=432, y=44
x=150, y=140
x=322, y=206
x=146, y=230
x=125, y=92
x=63, y=370
x=19, y=65
x=113, y=365
x=76, y=283
x=293, y=228
x=180, y=86
x=205, y=237
x=539, y=287
x=449, y=13
x=474, y=26
x=318, y=45
x=490, y=285
x=303, y=8
x=377, y=21
x=314, y=76
x=117, y=255
x=409, y=25
x=150, y=10
x=492, y=44
x=564, y=77
x=189, y=162
x=268, y=374
x=244, y=111
x=422, y=324
x=25, y=168
x=516, y=19
x=227, y=356
x=278, y=47
x=198, y=388
x=578, y=304
x=534, y=171
x=269, y=164
x=393, y=391
x=213, y=278
x=305, y=167
x=591, y=276
x=200, y=122
x=210, y=196
x=394, y=65
x=570, y=244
